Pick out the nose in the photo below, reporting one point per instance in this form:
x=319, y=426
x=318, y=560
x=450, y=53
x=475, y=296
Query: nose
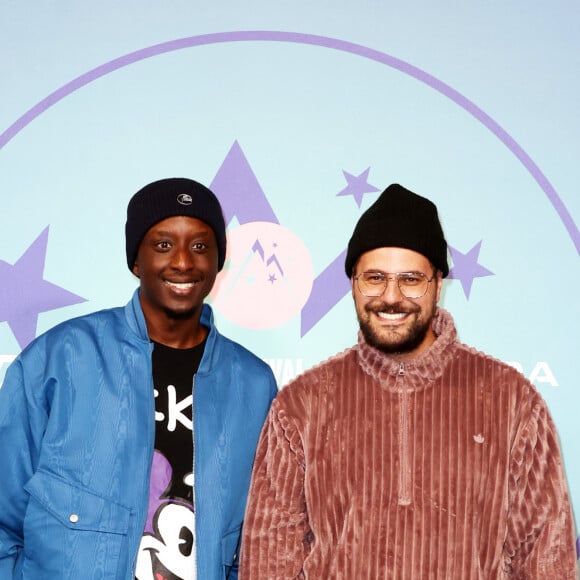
x=182, y=258
x=391, y=293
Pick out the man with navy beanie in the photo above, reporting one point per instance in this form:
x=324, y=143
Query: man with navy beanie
x=410, y=455
x=173, y=197
x=128, y=435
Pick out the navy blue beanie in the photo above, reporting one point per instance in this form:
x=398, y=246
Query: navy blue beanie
x=170, y=197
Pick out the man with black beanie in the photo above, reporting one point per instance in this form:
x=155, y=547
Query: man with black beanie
x=128, y=435
x=410, y=455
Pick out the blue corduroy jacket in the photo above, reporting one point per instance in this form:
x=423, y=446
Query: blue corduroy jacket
x=77, y=433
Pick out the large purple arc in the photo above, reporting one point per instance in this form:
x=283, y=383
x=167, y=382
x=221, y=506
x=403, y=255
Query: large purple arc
x=312, y=39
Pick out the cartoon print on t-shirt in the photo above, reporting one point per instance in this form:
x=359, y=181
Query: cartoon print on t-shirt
x=166, y=550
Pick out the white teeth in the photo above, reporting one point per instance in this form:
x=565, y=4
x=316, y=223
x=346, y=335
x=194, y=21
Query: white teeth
x=180, y=286
x=394, y=316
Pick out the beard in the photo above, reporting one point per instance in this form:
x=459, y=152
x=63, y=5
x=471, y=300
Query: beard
x=181, y=314
x=399, y=341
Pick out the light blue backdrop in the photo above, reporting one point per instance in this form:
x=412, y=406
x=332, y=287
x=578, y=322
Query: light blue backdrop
x=282, y=107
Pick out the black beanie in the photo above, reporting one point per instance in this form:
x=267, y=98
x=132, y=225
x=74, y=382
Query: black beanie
x=399, y=218
x=170, y=197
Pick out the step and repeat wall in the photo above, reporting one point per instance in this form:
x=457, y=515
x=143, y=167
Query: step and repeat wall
x=298, y=116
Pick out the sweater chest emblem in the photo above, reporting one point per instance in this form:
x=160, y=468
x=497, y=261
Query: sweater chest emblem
x=479, y=438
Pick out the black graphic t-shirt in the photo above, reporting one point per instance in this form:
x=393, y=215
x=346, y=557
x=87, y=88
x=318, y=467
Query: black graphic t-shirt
x=167, y=550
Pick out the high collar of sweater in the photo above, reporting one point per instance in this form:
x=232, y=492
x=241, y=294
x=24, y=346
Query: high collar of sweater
x=419, y=371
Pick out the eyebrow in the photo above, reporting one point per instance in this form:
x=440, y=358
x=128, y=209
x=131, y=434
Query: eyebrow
x=379, y=271
x=201, y=232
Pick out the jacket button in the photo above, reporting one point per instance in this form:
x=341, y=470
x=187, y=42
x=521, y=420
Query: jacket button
x=74, y=518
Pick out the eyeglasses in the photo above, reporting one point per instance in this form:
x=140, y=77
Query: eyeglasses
x=411, y=284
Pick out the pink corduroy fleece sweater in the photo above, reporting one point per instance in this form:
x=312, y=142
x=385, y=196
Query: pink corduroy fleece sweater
x=444, y=467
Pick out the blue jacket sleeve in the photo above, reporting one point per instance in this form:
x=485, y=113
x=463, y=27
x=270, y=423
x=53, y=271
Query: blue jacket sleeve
x=22, y=423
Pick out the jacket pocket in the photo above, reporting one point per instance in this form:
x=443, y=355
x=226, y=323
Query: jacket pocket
x=230, y=552
x=78, y=508
x=72, y=532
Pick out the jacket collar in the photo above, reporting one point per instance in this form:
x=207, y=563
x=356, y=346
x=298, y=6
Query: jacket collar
x=427, y=366
x=135, y=317
x=212, y=345
x=136, y=321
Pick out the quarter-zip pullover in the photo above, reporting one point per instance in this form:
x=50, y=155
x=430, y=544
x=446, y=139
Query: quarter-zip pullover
x=446, y=466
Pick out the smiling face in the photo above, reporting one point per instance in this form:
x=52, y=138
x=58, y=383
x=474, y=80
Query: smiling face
x=390, y=322
x=177, y=264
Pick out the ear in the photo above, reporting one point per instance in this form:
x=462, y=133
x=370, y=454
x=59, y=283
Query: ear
x=352, y=280
x=439, y=285
x=135, y=269
x=353, y=286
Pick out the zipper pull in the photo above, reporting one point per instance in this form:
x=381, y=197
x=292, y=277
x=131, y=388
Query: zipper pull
x=401, y=369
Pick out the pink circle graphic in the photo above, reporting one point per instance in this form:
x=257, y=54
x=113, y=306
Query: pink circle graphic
x=267, y=277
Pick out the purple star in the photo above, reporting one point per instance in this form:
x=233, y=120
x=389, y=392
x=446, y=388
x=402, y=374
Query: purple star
x=24, y=293
x=357, y=186
x=272, y=278
x=466, y=268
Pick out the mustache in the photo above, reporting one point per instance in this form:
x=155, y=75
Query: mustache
x=396, y=308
